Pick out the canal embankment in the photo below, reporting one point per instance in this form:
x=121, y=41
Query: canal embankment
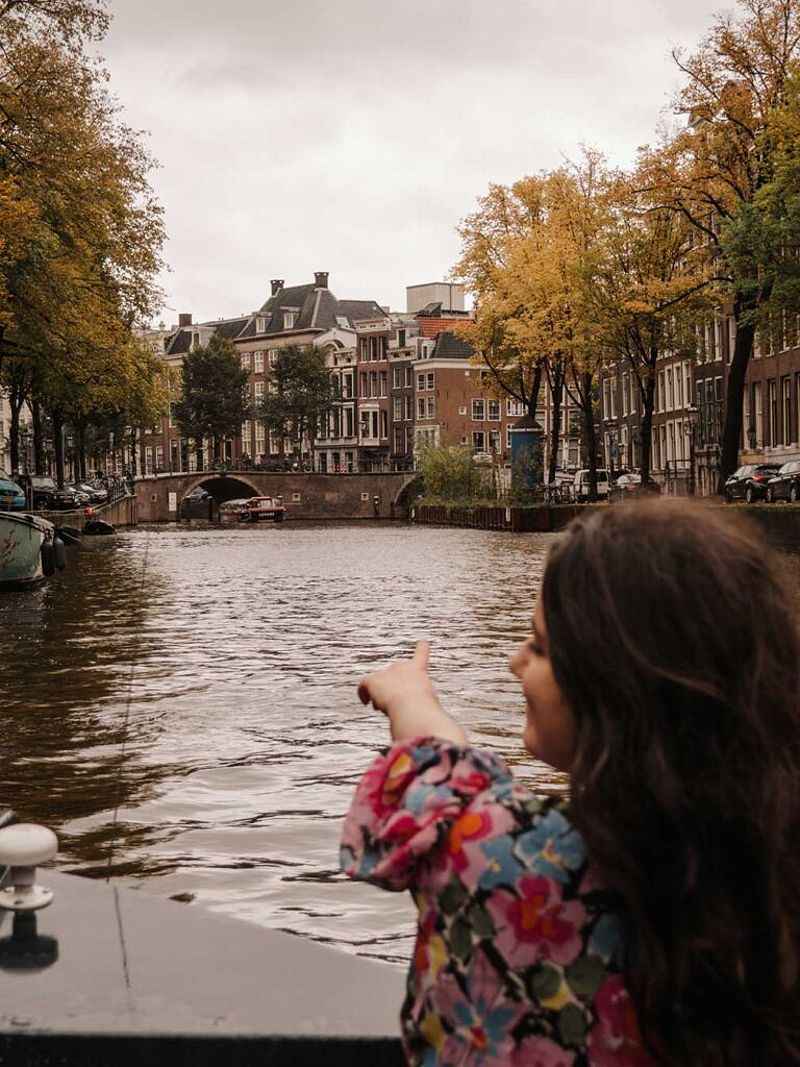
x=779, y=524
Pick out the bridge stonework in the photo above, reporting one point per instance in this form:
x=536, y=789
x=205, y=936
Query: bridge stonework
x=306, y=496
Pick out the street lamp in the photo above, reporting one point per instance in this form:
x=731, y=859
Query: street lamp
x=692, y=419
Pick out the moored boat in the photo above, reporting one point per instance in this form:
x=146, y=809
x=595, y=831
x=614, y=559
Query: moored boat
x=261, y=509
x=30, y=550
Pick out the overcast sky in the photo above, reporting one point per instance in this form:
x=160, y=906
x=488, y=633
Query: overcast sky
x=353, y=135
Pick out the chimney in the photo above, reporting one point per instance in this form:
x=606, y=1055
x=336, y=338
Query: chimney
x=185, y=319
x=321, y=279
x=277, y=285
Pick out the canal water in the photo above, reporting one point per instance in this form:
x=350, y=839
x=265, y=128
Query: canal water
x=179, y=704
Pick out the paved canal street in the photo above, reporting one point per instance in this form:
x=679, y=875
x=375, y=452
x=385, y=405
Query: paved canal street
x=239, y=651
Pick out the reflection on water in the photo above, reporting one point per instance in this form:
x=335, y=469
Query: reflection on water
x=201, y=684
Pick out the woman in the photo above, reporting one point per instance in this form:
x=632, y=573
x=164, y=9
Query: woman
x=654, y=918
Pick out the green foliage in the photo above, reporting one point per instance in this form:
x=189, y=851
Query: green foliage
x=214, y=401
x=450, y=476
x=302, y=390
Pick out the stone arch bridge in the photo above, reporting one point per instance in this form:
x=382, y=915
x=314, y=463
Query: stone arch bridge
x=306, y=496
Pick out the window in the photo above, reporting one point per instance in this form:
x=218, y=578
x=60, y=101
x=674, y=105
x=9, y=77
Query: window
x=397, y=377
x=409, y=408
x=409, y=377
x=159, y=457
x=431, y=407
x=246, y=360
x=625, y=392
x=495, y=441
x=362, y=383
x=373, y=383
x=384, y=419
x=515, y=408
x=421, y=407
x=478, y=441
x=261, y=324
x=478, y=410
x=272, y=356
x=493, y=407
x=397, y=409
x=670, y=396
x=401, y=340
x=772, y=411
x=786, y=386
x=613, y=397
x=289, y=319
x=431, y=376
x=758, y=413
x=384, y=382
x=246, y=431
x=420, y=382
x=349, y=423
x=398, y=438
x=259, y=389
x=258, y=362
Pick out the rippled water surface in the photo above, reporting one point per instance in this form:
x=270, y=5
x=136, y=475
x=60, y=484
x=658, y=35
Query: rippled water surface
x=203, y=682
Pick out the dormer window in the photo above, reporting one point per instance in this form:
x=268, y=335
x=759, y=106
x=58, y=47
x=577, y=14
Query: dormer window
x=261, y=324
x=289, y=319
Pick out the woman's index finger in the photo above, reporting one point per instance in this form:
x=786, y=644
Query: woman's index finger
x=422, y=655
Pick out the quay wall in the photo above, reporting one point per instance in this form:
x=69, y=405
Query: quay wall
x=779, y=524
x=543, y=518
x=121, y=512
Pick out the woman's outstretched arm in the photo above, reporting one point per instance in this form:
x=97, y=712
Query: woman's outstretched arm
x=404, y=693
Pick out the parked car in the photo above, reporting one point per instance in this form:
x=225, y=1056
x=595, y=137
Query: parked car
x=12, y=497
x=580, y=485
x=785, y=485
x=198, y=493
x=39, y=489
x=631, y=485
x=95, y=495
x=750, y=482
x=65, y=499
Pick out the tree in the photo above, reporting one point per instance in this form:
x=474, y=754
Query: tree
x=504, y=216
x=302, y=391
x=712, y=170
x=214, y=400
x=81, y=232
x=645, y=281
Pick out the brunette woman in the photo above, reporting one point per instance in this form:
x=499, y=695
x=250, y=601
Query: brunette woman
x=654, y=917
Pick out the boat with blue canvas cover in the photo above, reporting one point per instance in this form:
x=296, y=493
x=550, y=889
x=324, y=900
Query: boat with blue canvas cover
x=30, y=550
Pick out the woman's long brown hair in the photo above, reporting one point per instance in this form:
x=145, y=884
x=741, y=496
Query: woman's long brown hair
x=676, y=645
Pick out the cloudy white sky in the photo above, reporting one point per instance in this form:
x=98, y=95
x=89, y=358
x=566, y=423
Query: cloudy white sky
x=353, y=135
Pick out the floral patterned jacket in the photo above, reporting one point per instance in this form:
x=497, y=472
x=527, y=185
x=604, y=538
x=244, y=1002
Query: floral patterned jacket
x=518, y=952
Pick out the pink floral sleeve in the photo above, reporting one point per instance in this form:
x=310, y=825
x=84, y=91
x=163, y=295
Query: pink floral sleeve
x=405, y=802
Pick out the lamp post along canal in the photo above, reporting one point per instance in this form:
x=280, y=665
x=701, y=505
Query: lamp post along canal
x=692, y=419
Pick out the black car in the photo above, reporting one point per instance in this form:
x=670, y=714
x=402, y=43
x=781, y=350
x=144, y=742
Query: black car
x=750, y=482
x=786, y=483
x=39, y=489
x=65, y=499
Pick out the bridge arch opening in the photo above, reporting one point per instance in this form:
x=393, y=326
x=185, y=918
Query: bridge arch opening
x=227, y=487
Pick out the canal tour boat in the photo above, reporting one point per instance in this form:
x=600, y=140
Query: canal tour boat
x=30, y=550
x=253, y=509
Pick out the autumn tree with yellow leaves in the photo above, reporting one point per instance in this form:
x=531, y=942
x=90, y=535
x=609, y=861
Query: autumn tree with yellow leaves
x=83, y=234
x=715, y=171
x=525, y=256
